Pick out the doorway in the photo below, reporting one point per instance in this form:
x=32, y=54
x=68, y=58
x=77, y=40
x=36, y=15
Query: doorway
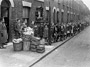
x=5, y=6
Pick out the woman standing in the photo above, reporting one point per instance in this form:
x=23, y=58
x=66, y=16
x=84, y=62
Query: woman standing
x=3, y=33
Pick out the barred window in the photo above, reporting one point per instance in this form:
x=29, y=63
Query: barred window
x=39, y=13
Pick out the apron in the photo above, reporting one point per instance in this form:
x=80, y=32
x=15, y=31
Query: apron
x=3, y=33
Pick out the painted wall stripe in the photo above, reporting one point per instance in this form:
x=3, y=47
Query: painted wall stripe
x=28, y=4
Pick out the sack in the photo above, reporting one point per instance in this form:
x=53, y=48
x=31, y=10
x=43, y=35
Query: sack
x=42, y=41
x=17, y=40
x=68, y=31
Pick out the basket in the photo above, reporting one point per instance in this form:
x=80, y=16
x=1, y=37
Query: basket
x=33, y=47
x=34, y=41
x=41, y=48
x=26, y=45
x=18, y=46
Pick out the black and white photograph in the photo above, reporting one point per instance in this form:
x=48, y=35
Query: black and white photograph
x=44, y=33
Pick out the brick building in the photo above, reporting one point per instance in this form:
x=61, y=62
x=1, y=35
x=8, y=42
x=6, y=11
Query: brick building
x=62, y=11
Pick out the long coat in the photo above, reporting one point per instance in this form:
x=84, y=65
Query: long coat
x=41, y=30
x=3, y=33
x=45, y=33
x=17, y=29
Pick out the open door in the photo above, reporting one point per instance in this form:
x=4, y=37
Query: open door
x=5, y=5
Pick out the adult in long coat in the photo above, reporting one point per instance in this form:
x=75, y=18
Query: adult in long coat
x=3, y=33
x=17, y=28
x=41, y=30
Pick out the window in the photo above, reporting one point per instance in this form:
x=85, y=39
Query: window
x=39, y=13
x=54, y=17
x=26, y=14
x=47, y=16
x=67, y=17
x=63, y=6
x=57, y=16
x=78, y=17
x=62, y=17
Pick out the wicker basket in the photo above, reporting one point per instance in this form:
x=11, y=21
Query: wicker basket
x=41, y=48
x=18, y=46
x=26, y=45
x=33, y=47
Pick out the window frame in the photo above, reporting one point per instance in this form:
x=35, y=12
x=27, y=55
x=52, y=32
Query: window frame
x=28, y=13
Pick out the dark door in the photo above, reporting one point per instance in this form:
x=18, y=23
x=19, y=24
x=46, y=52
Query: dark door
x=5, y=5
x=7, y=23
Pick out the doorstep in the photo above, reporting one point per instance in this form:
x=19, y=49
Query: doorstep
x=12, y=58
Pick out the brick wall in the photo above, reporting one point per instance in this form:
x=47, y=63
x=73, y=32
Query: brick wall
x=16, y=11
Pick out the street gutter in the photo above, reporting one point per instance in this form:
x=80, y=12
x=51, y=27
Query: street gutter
x=54, y=49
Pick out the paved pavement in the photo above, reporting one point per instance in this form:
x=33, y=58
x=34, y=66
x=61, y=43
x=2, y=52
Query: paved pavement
x=10, y=58
x=74, y=53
